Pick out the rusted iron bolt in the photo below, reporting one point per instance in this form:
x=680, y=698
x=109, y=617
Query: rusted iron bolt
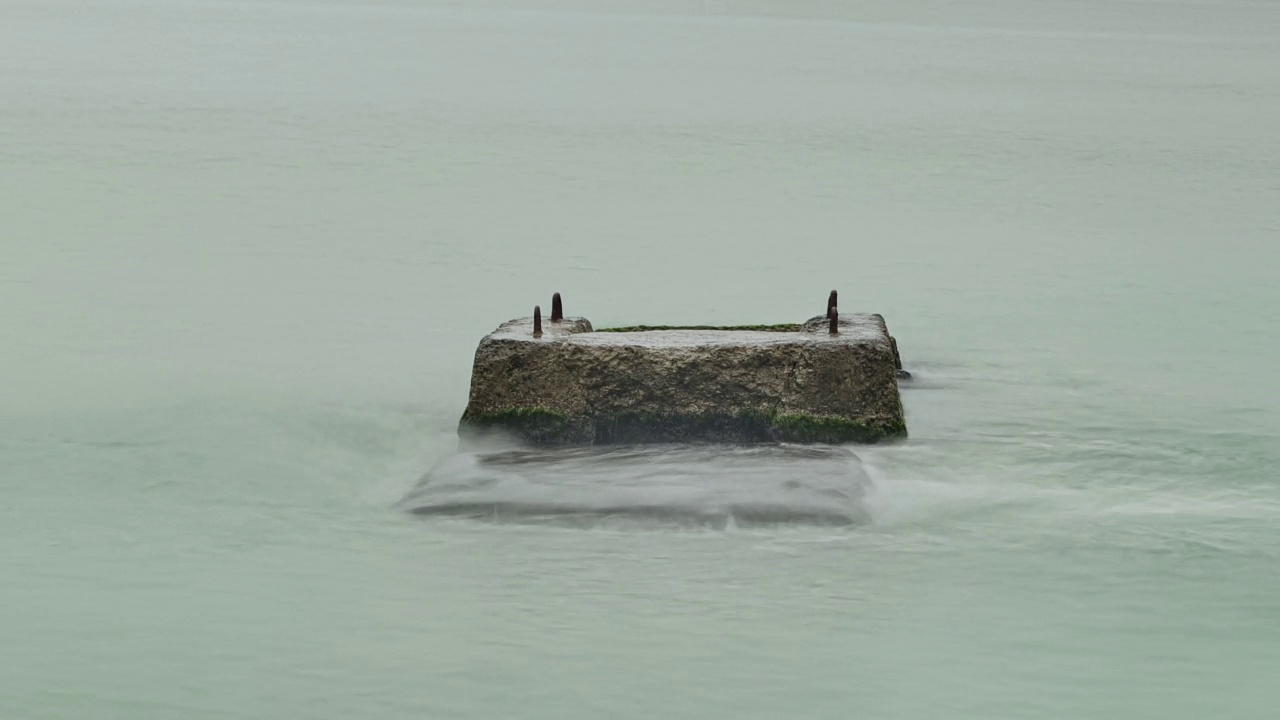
x=834, y=324
x=537, y=321
x=557, y=308
x=831, y=302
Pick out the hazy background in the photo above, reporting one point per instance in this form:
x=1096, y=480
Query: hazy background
x=247, y=249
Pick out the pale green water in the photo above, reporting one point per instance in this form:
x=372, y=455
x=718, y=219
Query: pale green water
x=248, y=248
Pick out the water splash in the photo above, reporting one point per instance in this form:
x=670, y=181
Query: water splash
x=660, y=485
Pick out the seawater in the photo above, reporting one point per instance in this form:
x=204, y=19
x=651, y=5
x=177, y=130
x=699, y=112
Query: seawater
x=248, y=248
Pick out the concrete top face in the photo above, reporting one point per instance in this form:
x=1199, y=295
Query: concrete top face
x=855, y=328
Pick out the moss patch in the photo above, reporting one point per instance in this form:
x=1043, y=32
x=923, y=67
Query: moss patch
x=536, y=425
x=522, y=416
x=548, y=427
x=820, y=429
x=744, y=426
x=681, y=427
x=783, y=327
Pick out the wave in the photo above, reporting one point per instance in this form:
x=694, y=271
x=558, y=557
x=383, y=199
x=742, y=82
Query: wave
x=658, y=485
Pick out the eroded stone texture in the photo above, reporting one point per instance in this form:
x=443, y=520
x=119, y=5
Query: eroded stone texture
x=573, y=386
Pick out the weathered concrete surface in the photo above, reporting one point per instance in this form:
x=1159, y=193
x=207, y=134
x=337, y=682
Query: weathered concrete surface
x=573, y=386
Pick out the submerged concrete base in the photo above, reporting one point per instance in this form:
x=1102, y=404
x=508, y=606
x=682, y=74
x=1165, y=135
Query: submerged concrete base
x=793, y=383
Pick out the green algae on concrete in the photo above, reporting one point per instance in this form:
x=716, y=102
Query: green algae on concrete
x=801, y=428
x=748, y=426
x=537, y=425
x=547, y=427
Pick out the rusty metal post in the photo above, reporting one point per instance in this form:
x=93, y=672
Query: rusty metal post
x=537, y=321
x=831, y=302
x=557, y=308
x=834, y=324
